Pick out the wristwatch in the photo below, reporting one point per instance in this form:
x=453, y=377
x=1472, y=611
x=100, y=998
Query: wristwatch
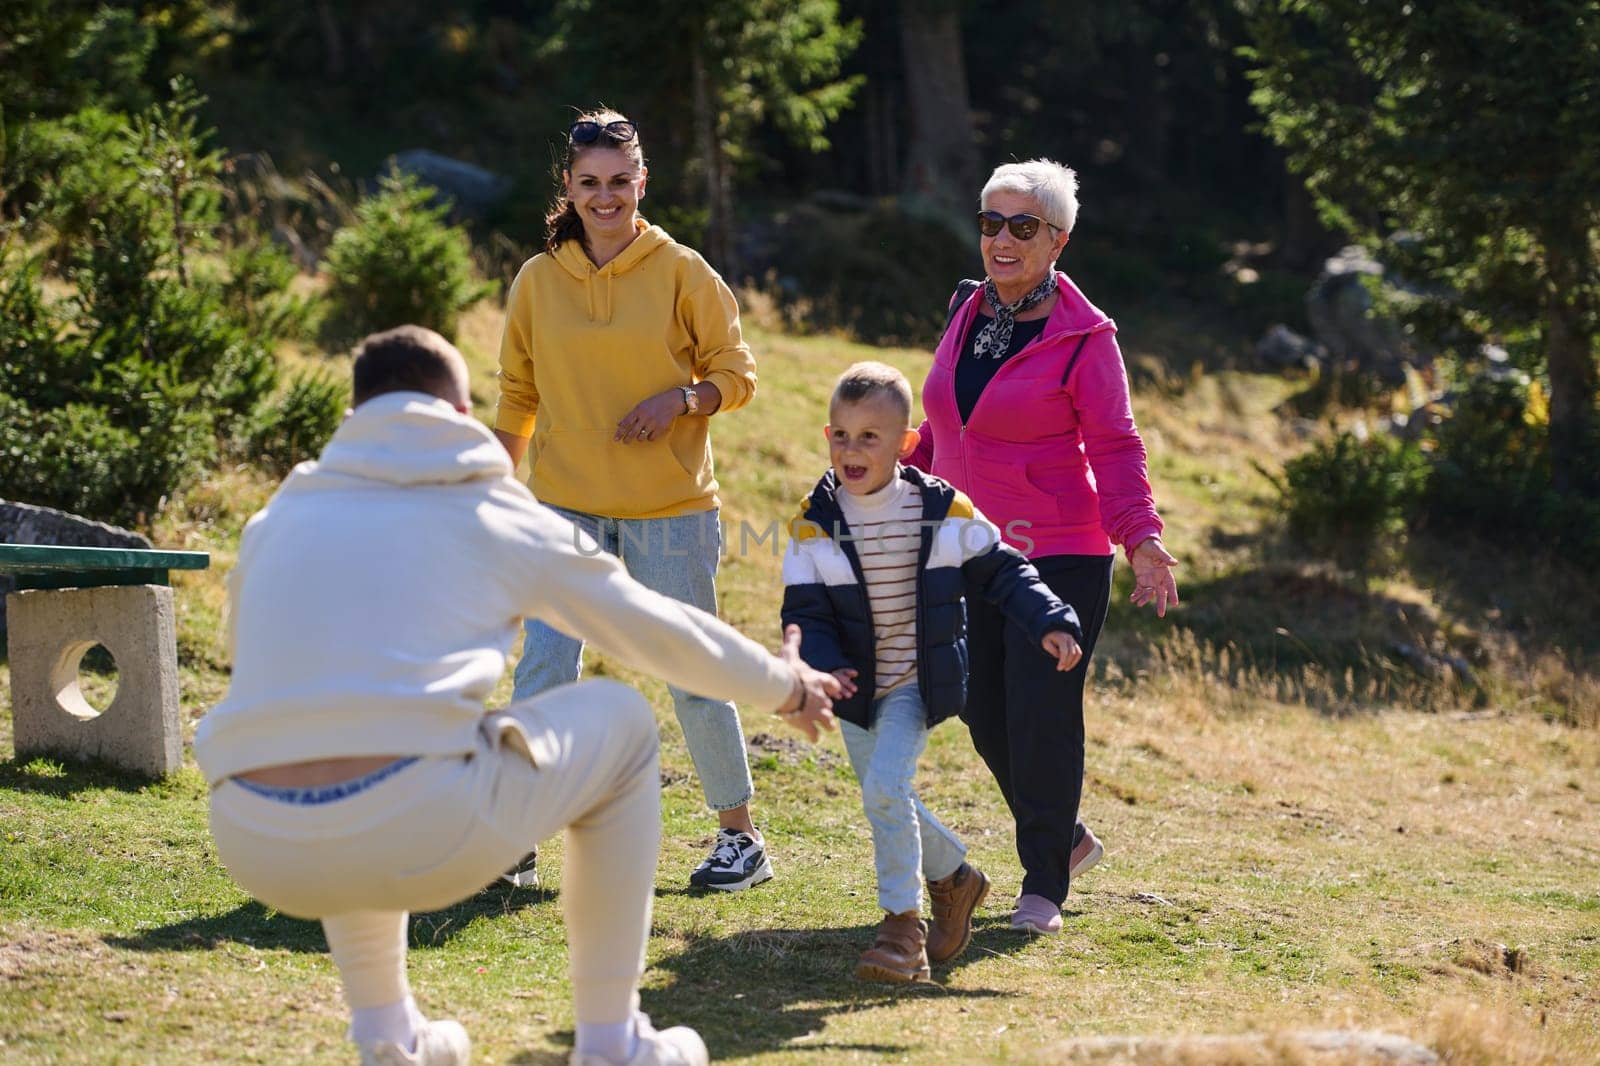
x=691, y=399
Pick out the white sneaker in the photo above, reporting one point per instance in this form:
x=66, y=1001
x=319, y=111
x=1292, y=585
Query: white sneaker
x=737, y=860
x=440, y=1043
x=678, y=1046
x=524, y=874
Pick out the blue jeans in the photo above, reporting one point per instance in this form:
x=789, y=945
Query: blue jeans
x=907, y=839
x=676, y=557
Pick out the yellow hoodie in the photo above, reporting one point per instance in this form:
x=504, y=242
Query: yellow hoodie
x=584, y=344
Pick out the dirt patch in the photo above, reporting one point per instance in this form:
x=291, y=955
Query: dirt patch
x=793, y=752
x=27, y=952
x=1461, y=955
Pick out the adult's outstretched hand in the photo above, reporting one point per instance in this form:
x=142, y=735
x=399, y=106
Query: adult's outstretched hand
x=1152, y=576
x=809, y=707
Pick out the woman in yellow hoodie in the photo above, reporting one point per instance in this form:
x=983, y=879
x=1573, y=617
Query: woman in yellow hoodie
x=619, y=346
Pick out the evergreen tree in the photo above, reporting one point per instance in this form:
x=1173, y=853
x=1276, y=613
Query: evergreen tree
x=1467, y=128
x=728, y=66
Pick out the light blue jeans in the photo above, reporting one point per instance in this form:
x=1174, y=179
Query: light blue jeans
x=907, y=839
x=676, y=557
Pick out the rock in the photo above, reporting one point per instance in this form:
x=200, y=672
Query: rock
x=1281, y=348
x=1438, y=667
x=24, y=523
x=472, y=189
x=1346, y=1047
x=1341, y=312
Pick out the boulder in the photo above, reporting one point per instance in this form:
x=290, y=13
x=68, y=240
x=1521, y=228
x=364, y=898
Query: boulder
x=471, y=189
x=1342, y=319
x=1281, y=348
x=24, y=523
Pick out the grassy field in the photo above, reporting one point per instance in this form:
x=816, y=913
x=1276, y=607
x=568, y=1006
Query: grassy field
x=1301, y=831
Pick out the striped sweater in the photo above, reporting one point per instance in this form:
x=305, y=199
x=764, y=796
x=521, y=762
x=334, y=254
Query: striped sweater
x=826, y=593
x=885, y=525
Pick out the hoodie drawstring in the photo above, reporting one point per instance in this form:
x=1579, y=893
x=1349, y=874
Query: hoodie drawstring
x=588, y=291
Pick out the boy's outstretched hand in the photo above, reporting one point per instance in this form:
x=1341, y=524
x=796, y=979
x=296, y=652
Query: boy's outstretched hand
x=1062, y=648
x=846, y=676
x=809, y=707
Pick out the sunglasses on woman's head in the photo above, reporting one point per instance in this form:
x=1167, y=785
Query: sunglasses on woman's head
x=587, y=131
x=1022, y=227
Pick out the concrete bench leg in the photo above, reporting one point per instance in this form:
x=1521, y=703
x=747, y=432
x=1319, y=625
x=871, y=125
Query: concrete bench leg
x=48, y=632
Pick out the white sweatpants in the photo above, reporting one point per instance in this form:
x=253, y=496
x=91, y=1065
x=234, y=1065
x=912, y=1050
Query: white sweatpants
x=439, y=830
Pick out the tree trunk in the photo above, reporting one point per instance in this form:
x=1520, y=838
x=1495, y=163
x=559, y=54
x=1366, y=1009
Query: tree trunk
x=719, y=247
x=332, y=42
x=942, y=159
x=1568, y=352
x=1306, y=243
x=882, y=146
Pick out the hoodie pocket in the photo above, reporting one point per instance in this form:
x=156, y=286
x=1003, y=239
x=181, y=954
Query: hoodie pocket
x=587, y=470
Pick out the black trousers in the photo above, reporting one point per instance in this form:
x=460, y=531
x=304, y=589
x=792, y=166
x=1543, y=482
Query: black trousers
x=1026, y=717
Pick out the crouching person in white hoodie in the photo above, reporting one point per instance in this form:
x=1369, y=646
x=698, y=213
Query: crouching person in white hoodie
x=355, y=773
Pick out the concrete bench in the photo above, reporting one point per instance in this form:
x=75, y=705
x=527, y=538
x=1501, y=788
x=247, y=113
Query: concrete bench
x=67, y=601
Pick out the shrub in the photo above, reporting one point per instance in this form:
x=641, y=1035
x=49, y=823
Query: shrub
x=880, y=274
x=399, y=263
x=297, y=424
x=1351, y=497
x=78, y=458
x=1492, y=469
x=111, y=398
x=256, y=290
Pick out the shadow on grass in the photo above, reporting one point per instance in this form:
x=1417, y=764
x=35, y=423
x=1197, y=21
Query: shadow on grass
x=1538, y=595
x=1301, y=629
x=62, y=775
x=261, y=927
x=1288, y=622
x=249, y=923
x=764, y=990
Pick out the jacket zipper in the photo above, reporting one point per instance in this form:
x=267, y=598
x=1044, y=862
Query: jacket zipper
x=966, y=468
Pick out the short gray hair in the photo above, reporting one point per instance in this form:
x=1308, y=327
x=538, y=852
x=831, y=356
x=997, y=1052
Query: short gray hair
x=1050, y=184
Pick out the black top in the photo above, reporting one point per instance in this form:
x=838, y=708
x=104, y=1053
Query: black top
x=973, y=374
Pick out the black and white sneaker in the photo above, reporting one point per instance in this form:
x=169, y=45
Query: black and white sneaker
x=524, y=874
x=737, y=860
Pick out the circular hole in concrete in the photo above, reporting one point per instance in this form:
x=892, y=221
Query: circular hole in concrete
x=86, y=679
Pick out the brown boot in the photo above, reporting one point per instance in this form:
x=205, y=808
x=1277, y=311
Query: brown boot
x=954, y=900
x=898, y=953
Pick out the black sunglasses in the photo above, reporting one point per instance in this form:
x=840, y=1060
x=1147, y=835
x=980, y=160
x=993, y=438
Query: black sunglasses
x=1022, y=227
x=587, y=131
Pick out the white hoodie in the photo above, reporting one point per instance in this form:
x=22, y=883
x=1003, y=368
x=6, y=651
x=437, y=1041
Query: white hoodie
x=376, y=595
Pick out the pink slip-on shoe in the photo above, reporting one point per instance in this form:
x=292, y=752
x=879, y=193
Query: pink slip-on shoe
x=1086, y=851
x=1035, y=914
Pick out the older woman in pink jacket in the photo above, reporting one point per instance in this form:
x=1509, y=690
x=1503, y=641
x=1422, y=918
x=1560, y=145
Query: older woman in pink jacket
x=1028, y=413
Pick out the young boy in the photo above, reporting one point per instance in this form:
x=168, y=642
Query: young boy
x=874, y=577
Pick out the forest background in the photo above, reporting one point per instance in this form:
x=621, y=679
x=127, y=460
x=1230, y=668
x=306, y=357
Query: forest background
x=1385, y=509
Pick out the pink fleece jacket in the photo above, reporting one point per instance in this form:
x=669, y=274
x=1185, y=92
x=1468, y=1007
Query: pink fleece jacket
x=1051, y=453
